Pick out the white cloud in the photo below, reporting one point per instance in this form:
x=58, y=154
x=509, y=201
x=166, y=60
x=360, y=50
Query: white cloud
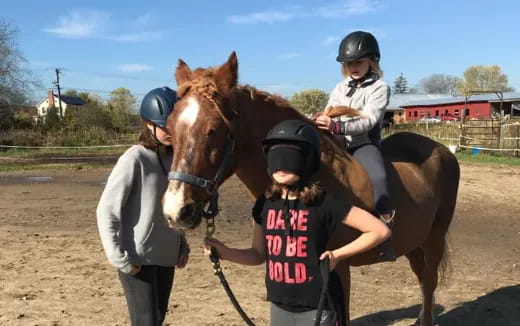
x=80, y=24
x=134, y=67
x=94, y=24
x=288, y=56
x=268, y=17
x=330, y=40
x=137, y=37
x=349, y=8
x=144, y=20
x=341, y=9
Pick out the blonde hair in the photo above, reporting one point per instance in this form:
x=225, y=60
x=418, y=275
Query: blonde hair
x=309, y=192
x=374, y=66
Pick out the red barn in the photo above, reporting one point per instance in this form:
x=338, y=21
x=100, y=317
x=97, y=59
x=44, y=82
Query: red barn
x=450, y=108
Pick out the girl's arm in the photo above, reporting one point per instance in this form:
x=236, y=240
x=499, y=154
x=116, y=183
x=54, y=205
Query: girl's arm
x=250, y=256
x=110, y=209
x=373, y=233
x=374, y=111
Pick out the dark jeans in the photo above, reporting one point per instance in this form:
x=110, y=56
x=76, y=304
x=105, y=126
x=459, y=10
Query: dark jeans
x=371, y=159
x=281, y=317
x=147, y=294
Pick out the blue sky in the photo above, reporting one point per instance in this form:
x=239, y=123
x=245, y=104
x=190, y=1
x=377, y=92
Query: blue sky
x=282, y=46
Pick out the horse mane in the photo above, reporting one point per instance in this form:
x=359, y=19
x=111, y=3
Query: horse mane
x=259, y=95
x=204, y=84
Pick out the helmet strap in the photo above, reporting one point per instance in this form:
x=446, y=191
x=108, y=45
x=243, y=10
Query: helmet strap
x=158, y=151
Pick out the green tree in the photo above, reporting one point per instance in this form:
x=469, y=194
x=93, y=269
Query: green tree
x=120, y=106
x=52, y=120
x=310, y=101
x=483, y=78
x=440, y=84
x=93, y=113
x=400, y=85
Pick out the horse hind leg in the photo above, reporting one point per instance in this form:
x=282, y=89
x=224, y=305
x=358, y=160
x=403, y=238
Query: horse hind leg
x=434, y=255
x=417, y=263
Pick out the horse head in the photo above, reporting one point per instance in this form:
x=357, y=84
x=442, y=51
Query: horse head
x=202, y=138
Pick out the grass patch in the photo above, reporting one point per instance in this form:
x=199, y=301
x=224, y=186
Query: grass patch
x=487, y=159
x=54, y=166
x=21, y=152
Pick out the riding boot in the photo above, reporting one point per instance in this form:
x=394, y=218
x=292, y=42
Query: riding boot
x=386, y=250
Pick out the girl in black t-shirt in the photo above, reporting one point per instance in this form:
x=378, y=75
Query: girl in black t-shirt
x=292, y=224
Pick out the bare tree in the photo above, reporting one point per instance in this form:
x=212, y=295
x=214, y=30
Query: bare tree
x=15, y=81
x=484, y=78
x=440, y=84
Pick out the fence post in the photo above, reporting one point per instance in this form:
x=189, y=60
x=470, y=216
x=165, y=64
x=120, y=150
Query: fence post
x=518, y=139
x=500, y=134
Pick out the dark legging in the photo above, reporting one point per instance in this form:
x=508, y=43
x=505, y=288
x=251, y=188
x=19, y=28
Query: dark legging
x=147, y=294
x=371, y=159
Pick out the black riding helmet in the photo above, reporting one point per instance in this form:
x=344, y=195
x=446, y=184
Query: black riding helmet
x=157, y=105
x=357, y=45
x=301, y=134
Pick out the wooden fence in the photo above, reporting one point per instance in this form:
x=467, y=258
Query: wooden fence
x=494, y=136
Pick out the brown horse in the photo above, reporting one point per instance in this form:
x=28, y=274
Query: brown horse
x=218, y=127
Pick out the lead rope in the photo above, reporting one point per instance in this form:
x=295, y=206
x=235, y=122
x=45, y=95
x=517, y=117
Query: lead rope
x=217, y=270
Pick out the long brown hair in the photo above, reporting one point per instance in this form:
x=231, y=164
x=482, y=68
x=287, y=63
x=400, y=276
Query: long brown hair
x=148, y=140
x=310, y=193
x=374, y=66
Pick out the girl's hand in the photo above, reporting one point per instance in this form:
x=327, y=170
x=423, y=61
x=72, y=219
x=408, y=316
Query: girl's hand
x=134, y=269
x=323, y=122
x=333, y=261
x=218, y=246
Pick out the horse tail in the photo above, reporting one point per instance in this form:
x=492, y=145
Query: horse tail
x=445, y=265
x=447, y=189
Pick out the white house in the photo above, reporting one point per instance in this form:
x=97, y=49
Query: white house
x=52, y=100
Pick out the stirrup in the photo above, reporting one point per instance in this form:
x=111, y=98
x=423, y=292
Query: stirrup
x=388, y=220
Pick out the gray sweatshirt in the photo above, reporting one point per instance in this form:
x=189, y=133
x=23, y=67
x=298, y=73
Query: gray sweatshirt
x=371, y=97
x=130, y=220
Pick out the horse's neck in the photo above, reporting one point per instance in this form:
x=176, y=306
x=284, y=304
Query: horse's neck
x=257, y=116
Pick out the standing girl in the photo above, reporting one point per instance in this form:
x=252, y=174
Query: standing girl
x=132, y=227
x=363, y=90
x=292, y=224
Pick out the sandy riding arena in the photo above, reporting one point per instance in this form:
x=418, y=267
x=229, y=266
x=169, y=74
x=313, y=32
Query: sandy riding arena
x=53, y=270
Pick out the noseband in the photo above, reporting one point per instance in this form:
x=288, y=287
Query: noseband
x=211, y=186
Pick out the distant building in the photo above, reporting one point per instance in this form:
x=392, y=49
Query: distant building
x=476, y=107
x=52, y=100
x=395, y=110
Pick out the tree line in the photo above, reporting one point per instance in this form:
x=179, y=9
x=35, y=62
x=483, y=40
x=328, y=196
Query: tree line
x=117, y=112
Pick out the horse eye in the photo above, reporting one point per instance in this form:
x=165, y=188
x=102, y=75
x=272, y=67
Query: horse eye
x=210, y=132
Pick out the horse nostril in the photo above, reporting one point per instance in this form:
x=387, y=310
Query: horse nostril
x=187, y=210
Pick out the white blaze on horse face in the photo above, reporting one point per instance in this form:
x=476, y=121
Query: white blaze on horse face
x=173, y=201
x=190, y=113
x=174, y=198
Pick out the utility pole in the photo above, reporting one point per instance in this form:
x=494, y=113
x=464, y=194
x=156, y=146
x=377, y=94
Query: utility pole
x=57, y=83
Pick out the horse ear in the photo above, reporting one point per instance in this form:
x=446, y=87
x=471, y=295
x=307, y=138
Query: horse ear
x=182, y=73
x=227, y=74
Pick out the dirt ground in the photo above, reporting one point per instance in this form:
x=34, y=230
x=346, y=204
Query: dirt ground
x=53, y=270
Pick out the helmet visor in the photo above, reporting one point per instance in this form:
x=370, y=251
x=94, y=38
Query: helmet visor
x=285, y=157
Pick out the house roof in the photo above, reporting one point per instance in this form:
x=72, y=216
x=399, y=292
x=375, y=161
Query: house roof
x=70, y=100
x=398, y=100
x=73, y=100
x=508, y=97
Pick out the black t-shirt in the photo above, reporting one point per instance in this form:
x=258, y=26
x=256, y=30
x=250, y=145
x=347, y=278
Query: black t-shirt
x=293, y=277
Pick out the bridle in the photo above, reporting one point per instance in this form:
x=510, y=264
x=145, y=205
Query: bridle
x=211, y=187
